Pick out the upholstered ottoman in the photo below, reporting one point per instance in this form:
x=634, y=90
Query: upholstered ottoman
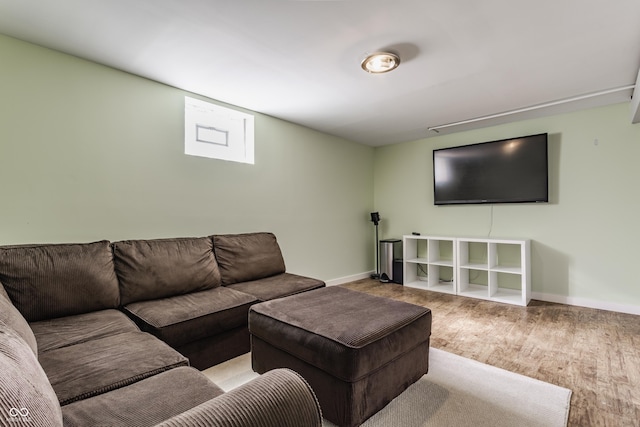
x=357, y=351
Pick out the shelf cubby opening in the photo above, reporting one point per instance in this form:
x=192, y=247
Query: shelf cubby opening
x=474, y=255
x=422, y=272
x=507, y=287
x=474, y=283
x=422, y=249
x=441, y=277
x=432, y=277
x=512, y=282
x=441, y=252
x=508, y=257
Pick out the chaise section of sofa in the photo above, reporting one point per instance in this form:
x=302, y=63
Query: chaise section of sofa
x=149, y=401
x=181, y=397
x=252, y=263
x=172, y=289
x=101, y=365
x=279, y=398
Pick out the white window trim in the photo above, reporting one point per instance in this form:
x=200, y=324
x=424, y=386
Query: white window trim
x=217, y=132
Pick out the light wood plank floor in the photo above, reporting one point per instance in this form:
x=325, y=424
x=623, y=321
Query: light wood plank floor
x=595, y=353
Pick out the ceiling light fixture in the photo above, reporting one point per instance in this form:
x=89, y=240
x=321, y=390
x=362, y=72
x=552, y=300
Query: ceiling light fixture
x=380, y=62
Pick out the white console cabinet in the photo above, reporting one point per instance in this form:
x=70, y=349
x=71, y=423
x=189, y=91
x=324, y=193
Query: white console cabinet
x=486, y=268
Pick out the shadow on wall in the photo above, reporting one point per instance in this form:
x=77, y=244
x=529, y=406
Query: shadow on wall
x=549, y=270
x=554, y=141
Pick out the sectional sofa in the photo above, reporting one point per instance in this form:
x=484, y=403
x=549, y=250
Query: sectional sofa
x=109, y=333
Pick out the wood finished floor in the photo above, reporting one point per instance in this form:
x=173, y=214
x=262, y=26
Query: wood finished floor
x=594, y=353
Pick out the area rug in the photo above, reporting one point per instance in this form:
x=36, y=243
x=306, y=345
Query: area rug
x=456, y=392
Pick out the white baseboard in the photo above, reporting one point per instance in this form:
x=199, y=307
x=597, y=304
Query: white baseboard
x=585, y=302
x=347, y=279
x=540, y=296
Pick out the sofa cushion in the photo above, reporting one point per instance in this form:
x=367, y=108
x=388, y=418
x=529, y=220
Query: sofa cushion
x=279, y=286
x=94, y=367
x=145, y=403
x=186, y=318
x=11, y=317
x=70, y=330
x=152, y=269
x=249, y=256
x=56, y=280
x=26, y=396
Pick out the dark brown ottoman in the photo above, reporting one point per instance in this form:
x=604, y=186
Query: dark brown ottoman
x=357, y=351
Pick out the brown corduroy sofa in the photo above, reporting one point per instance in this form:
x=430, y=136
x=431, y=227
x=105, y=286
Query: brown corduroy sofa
x=89, y=332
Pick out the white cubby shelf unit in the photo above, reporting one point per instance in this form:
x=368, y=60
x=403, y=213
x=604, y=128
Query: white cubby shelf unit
x=487, y=268
x=430, y=263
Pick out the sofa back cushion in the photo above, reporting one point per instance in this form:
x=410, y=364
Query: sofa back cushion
x=26, y=396
x=11, y=317
x=250, y=256
x=152, y=269
x=56, y=280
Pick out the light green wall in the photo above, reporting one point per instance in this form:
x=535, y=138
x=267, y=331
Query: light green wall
x=584, y=242
x=88, y=152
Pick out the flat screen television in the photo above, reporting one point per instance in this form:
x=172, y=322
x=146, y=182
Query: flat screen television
x=507, y=171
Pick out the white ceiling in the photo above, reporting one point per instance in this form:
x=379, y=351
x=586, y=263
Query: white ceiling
x=300, y=60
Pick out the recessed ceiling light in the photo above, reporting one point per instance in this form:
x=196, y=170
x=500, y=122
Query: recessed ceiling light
x=380, y=62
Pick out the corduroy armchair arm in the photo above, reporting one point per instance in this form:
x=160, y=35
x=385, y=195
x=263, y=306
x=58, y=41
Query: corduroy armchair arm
x=278, y=398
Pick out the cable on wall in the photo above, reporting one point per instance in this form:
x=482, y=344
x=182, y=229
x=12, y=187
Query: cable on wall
x=490, y=222
x=533, y=107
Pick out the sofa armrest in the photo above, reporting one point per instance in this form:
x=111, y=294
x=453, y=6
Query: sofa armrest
x=278, y=398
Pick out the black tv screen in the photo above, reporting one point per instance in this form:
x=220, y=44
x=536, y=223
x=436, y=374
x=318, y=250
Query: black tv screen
x=506, y=171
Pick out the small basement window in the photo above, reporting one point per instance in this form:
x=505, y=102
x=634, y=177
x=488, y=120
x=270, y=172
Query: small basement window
x=217, y=132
